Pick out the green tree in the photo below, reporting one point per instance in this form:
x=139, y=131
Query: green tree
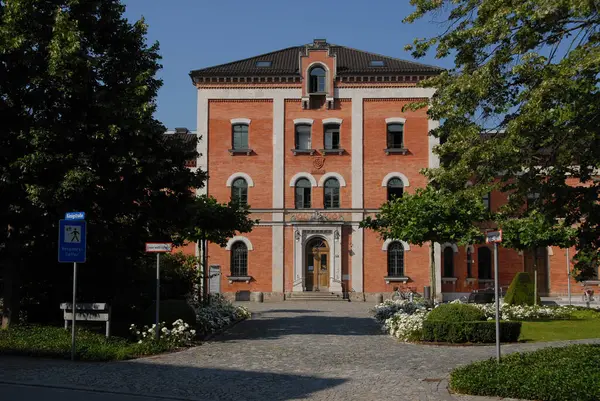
x=211, y=221
x=522, y=103
x=431, y=215
x=78, y=92
x=535, y=231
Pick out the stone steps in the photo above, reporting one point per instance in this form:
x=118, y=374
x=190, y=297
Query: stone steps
x=315, y=296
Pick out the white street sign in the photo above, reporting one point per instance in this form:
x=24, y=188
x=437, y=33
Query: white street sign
x=493, y=236
x=159, y=247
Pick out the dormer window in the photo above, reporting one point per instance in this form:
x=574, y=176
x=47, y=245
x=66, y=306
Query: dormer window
x=317, y=80
x=377, y=63
x=263, y=63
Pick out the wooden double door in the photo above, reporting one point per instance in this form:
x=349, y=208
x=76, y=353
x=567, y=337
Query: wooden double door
x=316, y=267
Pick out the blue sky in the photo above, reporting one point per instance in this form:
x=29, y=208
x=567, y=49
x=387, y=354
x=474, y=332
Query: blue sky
x=199, y=33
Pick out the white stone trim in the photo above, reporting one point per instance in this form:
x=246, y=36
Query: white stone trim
x=239, y=238
x=332, y=121
x=308, y=176
x=240, y=121
x=306, y=75
x=337, y=176
x=550, y=252
x=471, y=248
x=308, y=121
x=388, y=241
x=451, y=245
x=434, y=160
x=389, y=176
x=395, y=120
x=245, y=176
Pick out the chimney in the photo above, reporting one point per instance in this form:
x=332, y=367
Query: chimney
x=320, y=42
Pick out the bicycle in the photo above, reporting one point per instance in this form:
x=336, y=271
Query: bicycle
x=406, y=294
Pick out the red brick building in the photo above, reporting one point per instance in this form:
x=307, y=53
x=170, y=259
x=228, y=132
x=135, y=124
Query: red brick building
x=314, y=138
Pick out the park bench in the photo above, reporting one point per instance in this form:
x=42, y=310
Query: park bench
x=89, y=312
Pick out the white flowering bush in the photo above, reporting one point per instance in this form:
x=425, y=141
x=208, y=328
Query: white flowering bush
x=526, y=312
x=402, y=319
x=179, y=335
x=218, y=315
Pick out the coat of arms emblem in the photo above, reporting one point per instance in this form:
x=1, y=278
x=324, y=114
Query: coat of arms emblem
x=318, y=162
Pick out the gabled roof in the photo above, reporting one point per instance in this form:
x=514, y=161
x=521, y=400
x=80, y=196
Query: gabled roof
x=286, y=62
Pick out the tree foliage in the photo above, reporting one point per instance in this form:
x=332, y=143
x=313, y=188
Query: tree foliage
x=521, y=104
x=431, y=215
x=78, y=92
x=535, y=231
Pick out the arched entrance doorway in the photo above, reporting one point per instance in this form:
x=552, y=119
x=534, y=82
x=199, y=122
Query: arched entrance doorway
x=537, y=259
x=316, y=267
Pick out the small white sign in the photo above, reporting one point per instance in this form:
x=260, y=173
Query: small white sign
x=73, y=234
x=159, y=247
x=493, y=236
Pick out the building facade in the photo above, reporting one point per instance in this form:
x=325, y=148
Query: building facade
x=315, y=138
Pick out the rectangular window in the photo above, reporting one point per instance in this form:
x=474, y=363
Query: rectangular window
x=303, y=137
x=332, y=136
x=395, y=136
x=240, y=136
x=487, y=201
x=302, y=198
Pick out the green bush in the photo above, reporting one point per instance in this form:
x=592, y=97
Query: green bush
x=456, y=313
x=170, y=310
x=521, y=291
x=549, y=374
x=55, y=342
x=470, y=332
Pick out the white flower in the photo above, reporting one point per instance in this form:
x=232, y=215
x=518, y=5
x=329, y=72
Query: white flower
x=139, y=342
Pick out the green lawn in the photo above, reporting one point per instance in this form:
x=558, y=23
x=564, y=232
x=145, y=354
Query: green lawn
x=583, y=324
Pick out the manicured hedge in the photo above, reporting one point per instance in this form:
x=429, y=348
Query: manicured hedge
x=470, y=332
x=549, y=374
x=521, y=291
x=456, y=313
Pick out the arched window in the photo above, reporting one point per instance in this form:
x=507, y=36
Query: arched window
x=395, y=136
x=448, y=262
x=303, y=141
x=484, y=263
x=239, y=259
x=395, y=253
x=469, y=262
x=239, y=136
x=487, y=201
x=303, y=189
x=395, y=188
x=239, y=191
x=332, y=194
x=317, y=80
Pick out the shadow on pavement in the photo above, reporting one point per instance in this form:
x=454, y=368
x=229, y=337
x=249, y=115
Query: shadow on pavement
x=276, y=327
x=160, y=380
x=288, y=311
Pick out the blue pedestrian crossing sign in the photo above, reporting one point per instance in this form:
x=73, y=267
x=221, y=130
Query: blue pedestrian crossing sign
x=71, y=241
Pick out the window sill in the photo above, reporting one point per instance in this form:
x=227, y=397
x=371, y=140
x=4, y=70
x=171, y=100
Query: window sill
x=401, y=151
x=591, y=282
x=240, y=151
x=239, y=279
x=470, y=280
x=317, y=93
x=393, y=279
x=486, y=280
x=449, y=279
x=332, y=151
x=303, y=152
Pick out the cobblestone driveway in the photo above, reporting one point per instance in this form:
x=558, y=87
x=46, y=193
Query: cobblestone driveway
x=288, y=351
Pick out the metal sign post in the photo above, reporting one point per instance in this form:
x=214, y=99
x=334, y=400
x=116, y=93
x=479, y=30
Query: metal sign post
x=72, y=249
x=569, y=276
x=158, y=248
x=495, y=237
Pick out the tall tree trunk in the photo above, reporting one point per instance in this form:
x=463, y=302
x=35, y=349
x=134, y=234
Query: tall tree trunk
x=433, y=278
x=204, y=274
x=12, y=282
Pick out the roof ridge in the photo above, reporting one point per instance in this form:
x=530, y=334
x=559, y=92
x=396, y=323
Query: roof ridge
x=388, y=57
x=248, y=58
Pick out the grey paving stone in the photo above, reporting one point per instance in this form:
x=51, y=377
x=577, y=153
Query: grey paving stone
x=300, y=351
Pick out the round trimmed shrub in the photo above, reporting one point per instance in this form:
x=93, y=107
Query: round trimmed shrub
x=170, y=310
x=456, y=313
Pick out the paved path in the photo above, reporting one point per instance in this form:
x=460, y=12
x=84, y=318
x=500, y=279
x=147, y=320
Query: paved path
x=288, y=351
